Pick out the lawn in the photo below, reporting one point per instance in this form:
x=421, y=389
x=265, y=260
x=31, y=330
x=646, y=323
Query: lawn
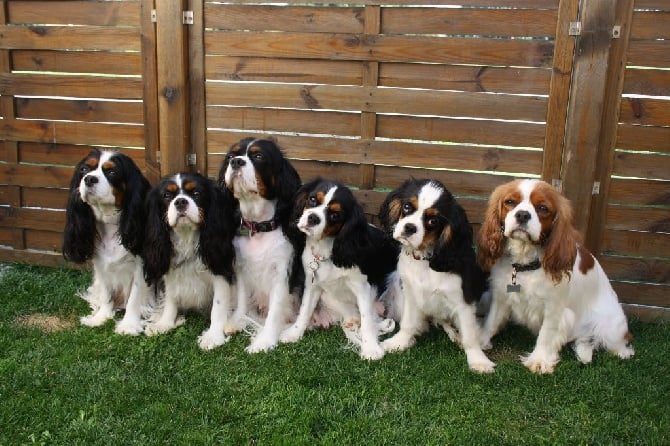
x=61, y=383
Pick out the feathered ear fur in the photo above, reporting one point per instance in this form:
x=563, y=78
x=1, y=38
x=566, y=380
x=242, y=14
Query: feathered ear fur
x=351, y=240
x=287, y=182
x=491, y=241
x=157, y=248
x=389, y=212
x=133, y=211
x=217, y=232
x=300, y=200
x=560, y=247
x=80, y=231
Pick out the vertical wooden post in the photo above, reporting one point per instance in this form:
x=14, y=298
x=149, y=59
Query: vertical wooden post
x=585, y=111
x=370, y=79
x=172, y=83
x=608, y=131
x=8, y=111
x=197, y=106
x=150, y=92
x=559, y=91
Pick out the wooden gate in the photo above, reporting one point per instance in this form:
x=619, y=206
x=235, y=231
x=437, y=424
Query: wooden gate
x=471, y=92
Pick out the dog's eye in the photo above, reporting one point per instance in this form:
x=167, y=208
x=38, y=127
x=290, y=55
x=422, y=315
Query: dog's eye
x=230, y=156
x=84, y=169
x=312, y=202
x=258, y=156
x=334, y=216
x=196, y=194
x=543, y=209
x=111, y=173
x=167, y=195
x=431, y=222
x=510, y=202
x=407, y=209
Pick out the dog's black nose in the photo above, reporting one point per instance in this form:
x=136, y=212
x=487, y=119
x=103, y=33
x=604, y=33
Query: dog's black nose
x=237, y=163
x=410, y=229
x=181, y=204
x=313, y=220
x=522, y=217
x=90, y=180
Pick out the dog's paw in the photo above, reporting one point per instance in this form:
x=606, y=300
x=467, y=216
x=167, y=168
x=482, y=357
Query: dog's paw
x=96, y=319
x=539, y=364
x=260, y=345
x=478, y=362
x=210, y=339
x=290, y=335
x=397, y=343
x=233, y=326
x=385, y=326
x=158, y=328
x=130, y=328
x=372, y=351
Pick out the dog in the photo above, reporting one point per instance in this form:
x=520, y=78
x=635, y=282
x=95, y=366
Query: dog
x=439, y=276
x=268, y=269
x=544, y=278
x=347, y=263
x=189, y=248
x=104, y=223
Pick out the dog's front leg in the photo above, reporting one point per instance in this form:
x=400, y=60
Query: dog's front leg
x=268, y=336
x=309, y=300
x=214, y=335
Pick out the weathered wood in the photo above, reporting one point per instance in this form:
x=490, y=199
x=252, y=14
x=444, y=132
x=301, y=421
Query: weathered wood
x=644, y=218
x=45, y=198
x=118, y=13
x=69, y=37
x=40, y=219
x=79, y=110
x=650, y=25
x=585, y=109
x=382, y=48
x=643, y=165
x=44, y=240
x=66, y=154
x=150, y=92
x=634, y=243
x=636, y=268
x=544, y=4
x=635, y=137
x=647, y=82
x=196, y=80
x=639, y=192
x=71, y=85
x=649, y=53
x=77, y=62
x=43, y=258
x=642, y=293
x=644, y=111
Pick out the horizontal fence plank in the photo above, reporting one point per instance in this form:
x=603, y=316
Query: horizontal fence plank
x=43, y=258
x=79, y=110
x=43, y=240
x=635, y=268
x=284, y=18
x=643, y=138
x=652, y=4
x=381, y=48
x=650, y=25
x=543, y=4
x=643, y=165
x=122, y=135
x=77, y=62
x=71, y=85
x=647, y=82
x=635, y=243
x=649, y=53
x=645, y=111
x=453, y=21
x=510, y=80
x=117, y=13
x=409, y=154
x=638, y=218
x=284, y=70
x=639, y=192
x=45, y=198
x=35, y=176
x=67, y=154
x=471, y=131
x=643, y=293
x=70, y=38
x=40, y=219
x=379, y=100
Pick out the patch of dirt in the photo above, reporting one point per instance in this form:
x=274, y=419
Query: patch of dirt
x=45, y=322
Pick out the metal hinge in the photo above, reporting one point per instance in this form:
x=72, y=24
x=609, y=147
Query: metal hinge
x=557, y=183
x=158, y=156
x=191, y=159
x=575, y=29
x=187, y=17
x=596, y=188
x=616, y=31
x=154, y=16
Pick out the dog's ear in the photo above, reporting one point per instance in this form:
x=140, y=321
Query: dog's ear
x=80, y=233
x=132, y=223
x=217, y=232
x=454, y=244
x=157, y=247
x=389, y=212
x=351, y=241
x=300, y=199
x=560, y=245
x=491, y=241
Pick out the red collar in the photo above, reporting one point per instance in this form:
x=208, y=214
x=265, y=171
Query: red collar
x=260, y=226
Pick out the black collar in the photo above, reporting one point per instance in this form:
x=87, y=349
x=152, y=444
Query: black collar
x=260, y=226
x=532, y=266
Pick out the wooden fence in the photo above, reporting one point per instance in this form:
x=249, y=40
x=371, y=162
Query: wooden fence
x=472, y=92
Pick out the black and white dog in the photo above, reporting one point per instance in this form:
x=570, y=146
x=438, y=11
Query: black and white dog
x=347, y=263
x=189, y=246
x=105, y=218
x=268, y=270
x=439, y=275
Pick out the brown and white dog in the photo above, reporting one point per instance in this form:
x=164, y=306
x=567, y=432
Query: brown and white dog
x=544, y=278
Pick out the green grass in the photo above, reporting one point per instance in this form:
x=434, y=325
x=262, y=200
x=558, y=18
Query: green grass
x=77, y=385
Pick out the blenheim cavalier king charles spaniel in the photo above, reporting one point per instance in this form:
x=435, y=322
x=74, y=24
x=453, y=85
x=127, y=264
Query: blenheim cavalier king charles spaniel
x=268, y=269
x=440, y=280
x=347, y=263
x=545, y=279
x=189, y=248
x=105, y=218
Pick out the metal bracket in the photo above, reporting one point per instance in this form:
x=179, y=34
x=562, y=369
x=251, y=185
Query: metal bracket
x=575, y=29
x=616, y=31
x=557, y=183
x=158, y=156
x=596, y=188
x=191, y=159
x=187, y=17
x=154, y=16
